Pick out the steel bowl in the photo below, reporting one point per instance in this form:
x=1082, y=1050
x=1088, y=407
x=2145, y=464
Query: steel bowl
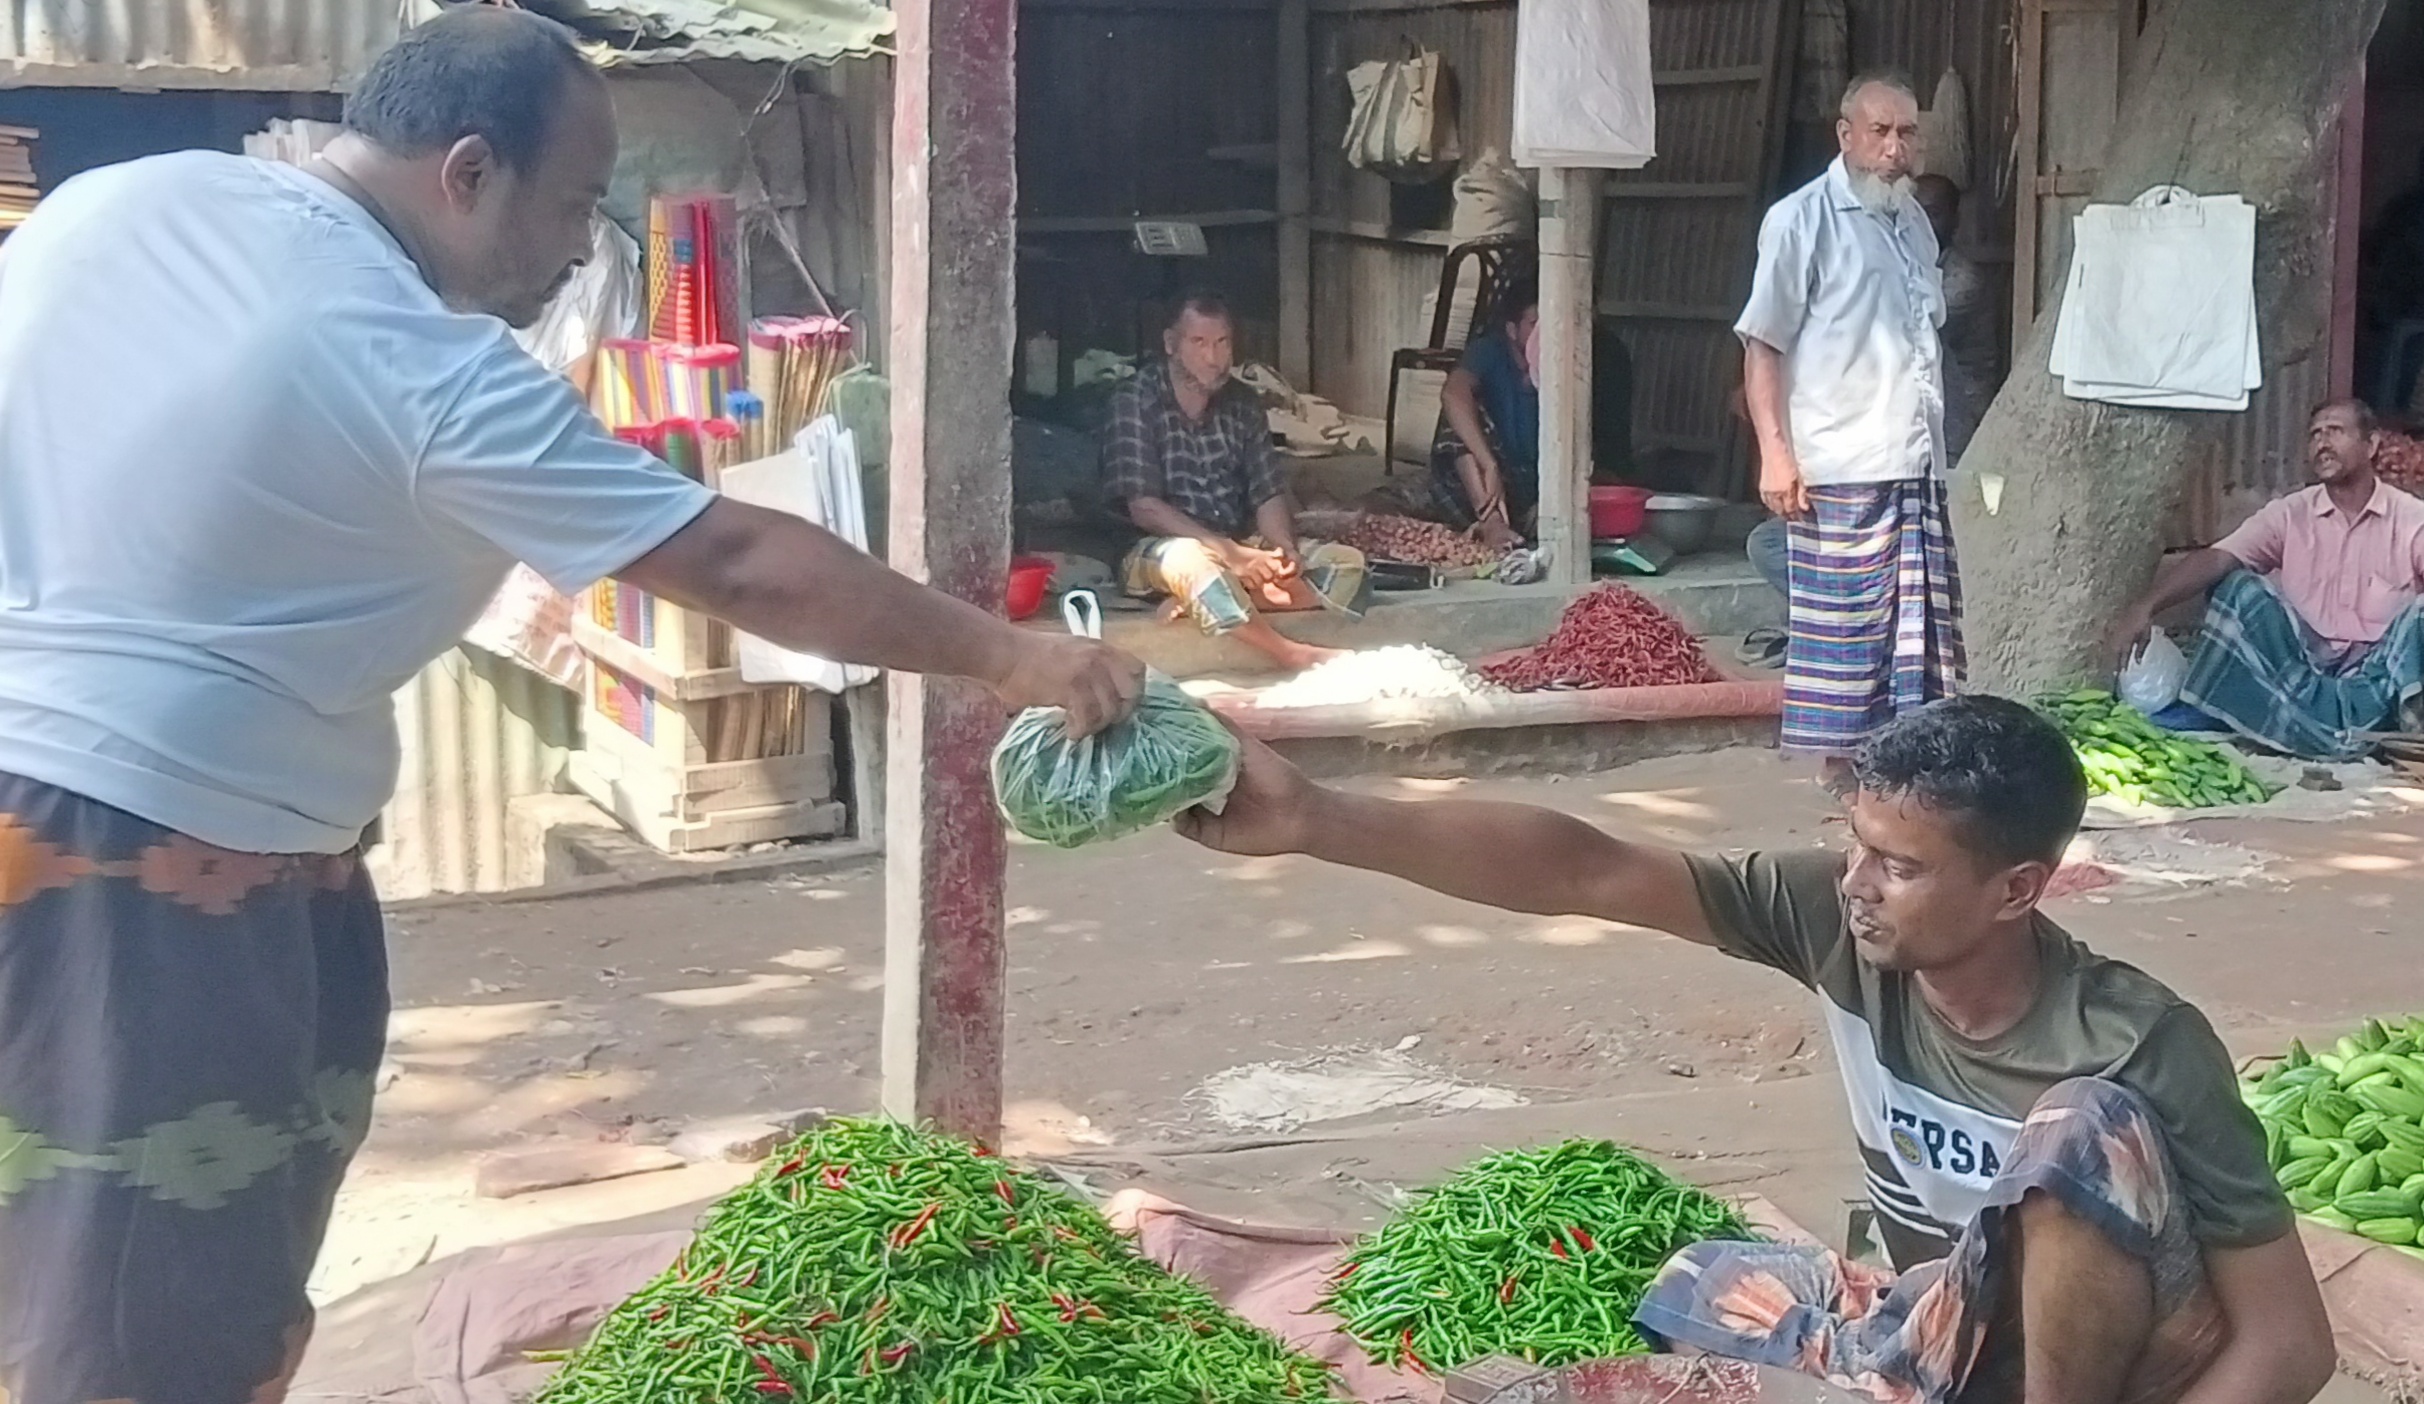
x=1683, y=520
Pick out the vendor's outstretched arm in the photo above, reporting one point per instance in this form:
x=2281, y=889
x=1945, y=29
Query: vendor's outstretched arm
x=1512, y=856
x=794, y=583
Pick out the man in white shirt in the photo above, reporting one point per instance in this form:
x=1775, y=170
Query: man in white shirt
x=266, y=447
x=1841, y=371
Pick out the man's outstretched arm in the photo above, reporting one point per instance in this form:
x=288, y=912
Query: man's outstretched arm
x=1511, y=856
x=798, y=585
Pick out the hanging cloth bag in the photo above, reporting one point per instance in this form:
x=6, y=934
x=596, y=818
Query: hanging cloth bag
x=1403, y=125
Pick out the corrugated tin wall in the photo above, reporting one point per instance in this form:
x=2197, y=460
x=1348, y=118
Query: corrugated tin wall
x=1923, y=38
x=477, y=733
x=1369, y=279
x=1135, y=113
x=264, y=45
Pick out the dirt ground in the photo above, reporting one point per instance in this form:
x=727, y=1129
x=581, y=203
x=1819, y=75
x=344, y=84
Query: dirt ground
x=1141, y=971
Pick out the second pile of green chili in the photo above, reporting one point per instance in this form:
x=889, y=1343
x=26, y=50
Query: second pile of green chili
x=1541, y=1254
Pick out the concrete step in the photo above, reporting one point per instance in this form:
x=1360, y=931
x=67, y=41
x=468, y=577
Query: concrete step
x=1715, y=594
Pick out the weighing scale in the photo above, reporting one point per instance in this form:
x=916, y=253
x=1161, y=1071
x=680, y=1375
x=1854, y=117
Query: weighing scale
x=1630, y=555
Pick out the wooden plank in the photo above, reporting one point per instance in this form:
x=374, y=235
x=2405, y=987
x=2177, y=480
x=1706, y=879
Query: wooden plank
x=1381, y=233
x=1404, y=719
x=1669, y=312
x=1680, y=190
x=865, y=708
x=1294, y=191
x=642, y=665
x=1122, y=224
x=953, y=338
x=1703, y=77
x=758, y=784
x=2071, y=184
x=1373, y=7
x=1569, y=245
x=2348, y=214
x=2029, y=88
x=1148, y=6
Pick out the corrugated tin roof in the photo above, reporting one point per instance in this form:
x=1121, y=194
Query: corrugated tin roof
x=777, y=31
x=320, y=45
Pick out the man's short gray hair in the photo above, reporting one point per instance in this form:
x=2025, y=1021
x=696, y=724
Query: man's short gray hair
x=1879, y=78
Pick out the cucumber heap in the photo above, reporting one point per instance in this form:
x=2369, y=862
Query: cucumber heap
x=2345, y=1130
x=2130, y=758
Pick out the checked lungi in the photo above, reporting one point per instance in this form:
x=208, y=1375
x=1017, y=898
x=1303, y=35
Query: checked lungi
x=2263, y=672
x=188, y=1038
x=1949, y=1329
x=1875, y=609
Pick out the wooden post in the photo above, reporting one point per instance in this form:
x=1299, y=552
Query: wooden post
x=1569, y=231
x=1294, y=77
x=954, y=191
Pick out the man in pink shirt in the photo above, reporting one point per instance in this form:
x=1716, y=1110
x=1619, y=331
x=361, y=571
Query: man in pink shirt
x=2313, y=641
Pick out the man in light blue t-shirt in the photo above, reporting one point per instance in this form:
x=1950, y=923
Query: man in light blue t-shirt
x=267, y=446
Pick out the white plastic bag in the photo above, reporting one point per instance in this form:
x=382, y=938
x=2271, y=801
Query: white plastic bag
x=2150, y=680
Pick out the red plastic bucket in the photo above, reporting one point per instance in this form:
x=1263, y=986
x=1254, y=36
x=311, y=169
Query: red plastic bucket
x=1030, y=577
x=1618, y=510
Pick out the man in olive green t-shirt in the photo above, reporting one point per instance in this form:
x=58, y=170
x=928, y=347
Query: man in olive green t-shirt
x=2078, y=1202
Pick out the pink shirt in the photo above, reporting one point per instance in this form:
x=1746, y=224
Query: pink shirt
x=2347, y=579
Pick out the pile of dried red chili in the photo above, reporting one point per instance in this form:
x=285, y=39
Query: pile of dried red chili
x=1612, y=637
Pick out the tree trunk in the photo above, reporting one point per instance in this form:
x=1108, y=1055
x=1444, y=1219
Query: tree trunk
x=2227, y=96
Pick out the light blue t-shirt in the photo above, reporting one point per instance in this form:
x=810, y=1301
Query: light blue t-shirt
x=254, y=475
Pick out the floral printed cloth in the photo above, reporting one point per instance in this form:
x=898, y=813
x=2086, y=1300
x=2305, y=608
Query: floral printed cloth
x=1927, y=1336
x=188, y=1037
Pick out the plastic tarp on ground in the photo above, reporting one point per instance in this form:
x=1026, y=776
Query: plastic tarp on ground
x=1582, y=85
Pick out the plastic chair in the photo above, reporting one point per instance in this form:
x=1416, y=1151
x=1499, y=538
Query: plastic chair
x=1494, y=259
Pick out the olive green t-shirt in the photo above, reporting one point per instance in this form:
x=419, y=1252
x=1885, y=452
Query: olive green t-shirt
x=1935, y=1113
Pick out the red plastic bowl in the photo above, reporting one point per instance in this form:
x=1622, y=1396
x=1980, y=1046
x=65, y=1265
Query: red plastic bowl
x=1618, y=510
x=1030, y=577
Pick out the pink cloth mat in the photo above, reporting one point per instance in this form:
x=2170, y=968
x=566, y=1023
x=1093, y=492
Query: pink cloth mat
x=478, y=1315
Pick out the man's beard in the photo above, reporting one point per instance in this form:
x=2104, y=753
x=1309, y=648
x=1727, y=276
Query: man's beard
x=1188, y=379
x=1877, y=194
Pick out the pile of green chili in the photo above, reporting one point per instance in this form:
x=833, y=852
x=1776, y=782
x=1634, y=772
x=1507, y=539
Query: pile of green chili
x=1541, y=1254
x=873, y=1262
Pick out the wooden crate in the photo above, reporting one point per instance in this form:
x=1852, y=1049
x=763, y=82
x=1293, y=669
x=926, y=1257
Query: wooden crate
x=679, y=748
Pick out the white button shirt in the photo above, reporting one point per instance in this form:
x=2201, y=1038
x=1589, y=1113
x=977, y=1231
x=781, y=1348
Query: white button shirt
x=1853, y=298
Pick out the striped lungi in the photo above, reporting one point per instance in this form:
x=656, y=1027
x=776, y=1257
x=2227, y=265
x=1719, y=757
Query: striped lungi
x=2262, y=670
x=1875, y=612
x=188, y=1038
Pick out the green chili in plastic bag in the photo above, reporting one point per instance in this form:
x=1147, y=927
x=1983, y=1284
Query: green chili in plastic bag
x=1172, y=755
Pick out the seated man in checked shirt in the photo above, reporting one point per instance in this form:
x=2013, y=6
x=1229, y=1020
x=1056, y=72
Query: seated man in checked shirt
x=1188, y=456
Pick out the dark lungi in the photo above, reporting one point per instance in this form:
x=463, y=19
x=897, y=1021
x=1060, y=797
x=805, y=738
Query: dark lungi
x=188, y=1038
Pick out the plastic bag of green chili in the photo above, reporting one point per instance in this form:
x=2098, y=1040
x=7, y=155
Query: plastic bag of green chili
x=1170, y=756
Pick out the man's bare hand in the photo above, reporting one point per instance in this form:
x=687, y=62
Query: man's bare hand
x=2127, y=633
x=1497, y=535
x=1093, y=682
x=1256, y=568
x=1268, y=813
x=1781, y=487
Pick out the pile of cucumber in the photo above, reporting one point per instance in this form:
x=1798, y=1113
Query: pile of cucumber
x=2345, y=1130
x=2130, y=758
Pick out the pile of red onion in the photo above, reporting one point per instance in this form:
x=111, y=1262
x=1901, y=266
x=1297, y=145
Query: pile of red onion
x=1416, y=542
